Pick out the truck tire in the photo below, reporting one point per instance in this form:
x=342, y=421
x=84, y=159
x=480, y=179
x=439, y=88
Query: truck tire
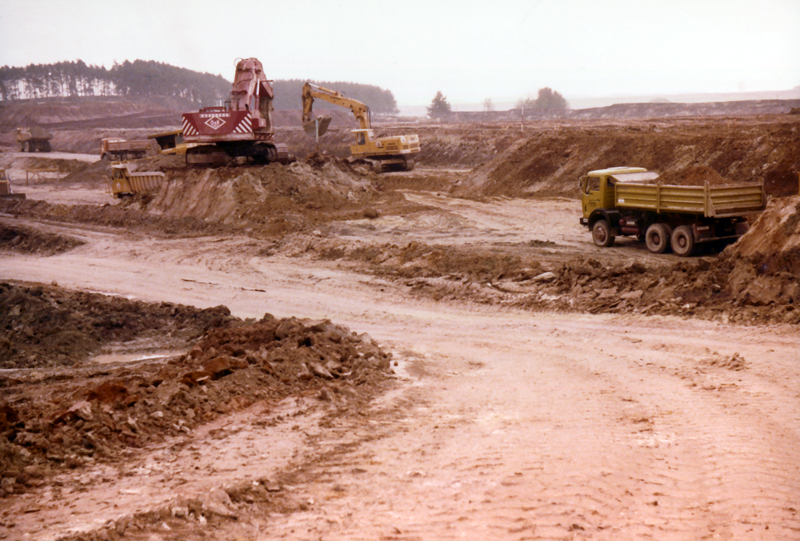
x=601, y=234
x=657, y=238
x=683, y=241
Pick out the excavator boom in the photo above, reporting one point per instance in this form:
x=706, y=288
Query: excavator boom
x=311, y=92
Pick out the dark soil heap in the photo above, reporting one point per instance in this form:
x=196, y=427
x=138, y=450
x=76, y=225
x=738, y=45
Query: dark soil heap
x=692, y=176
x=125, y=216
x=46, y=326
x=775, y=233
x=30, y=241
x=57, y=418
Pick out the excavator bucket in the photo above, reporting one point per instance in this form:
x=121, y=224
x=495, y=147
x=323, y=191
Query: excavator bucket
x=318, y=126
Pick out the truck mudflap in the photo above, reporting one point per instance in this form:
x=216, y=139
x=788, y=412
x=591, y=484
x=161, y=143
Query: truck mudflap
x=722, y=231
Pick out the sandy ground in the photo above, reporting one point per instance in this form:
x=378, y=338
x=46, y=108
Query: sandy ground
x=504, y=424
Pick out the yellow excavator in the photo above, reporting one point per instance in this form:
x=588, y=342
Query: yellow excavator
x=383, y=153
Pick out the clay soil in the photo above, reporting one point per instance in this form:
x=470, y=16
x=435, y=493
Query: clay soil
x=312, y=351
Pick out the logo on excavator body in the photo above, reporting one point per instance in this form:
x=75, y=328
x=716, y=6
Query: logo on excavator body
x=214, y=123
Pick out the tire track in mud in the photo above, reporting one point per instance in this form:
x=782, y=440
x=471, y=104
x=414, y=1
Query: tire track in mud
x=579, y=449
x=708, y=461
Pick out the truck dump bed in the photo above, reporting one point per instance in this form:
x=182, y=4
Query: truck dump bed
x=126, y=182
x=709, y=201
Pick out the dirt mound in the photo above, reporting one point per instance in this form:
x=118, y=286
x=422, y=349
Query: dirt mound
x=776, y=232
x=90, y=174
x=743, y=290
x=30, y=241
x=34, y=162
x=552, y=159
x=119, y=216
x=275, y=197
x=45, y=326
x=731, y=288
x=69, y=417
x=260, y=201
x=698, y=175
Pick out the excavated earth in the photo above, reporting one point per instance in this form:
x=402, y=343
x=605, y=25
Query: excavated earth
x=449, y=357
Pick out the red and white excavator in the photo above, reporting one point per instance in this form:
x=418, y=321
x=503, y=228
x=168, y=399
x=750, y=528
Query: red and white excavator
x=241, y=128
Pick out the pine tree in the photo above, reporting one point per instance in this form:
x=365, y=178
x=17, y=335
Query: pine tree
x=439, y=108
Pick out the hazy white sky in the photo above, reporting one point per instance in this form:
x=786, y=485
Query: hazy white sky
x=469, y=49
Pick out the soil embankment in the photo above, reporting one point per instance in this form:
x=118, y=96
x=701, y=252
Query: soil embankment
x=550, y=159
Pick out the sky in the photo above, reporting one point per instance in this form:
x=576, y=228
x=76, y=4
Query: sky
x=471, y=51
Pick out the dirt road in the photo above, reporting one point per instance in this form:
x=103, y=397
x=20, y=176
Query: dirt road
x=504, y=424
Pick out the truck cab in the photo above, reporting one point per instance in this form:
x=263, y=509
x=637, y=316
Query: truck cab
x=597, y=193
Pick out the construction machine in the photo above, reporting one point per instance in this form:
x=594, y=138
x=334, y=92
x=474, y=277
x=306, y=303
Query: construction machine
x=171, y=142
x=126, y=181
x=381, y=152
x=629, y=201
x=5, y=188
x=120, y=150
x=241, y=128
x=34, y=139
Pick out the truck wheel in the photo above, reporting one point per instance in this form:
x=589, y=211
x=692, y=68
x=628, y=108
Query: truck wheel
x=601, y=234
x=683, y=241
x=657, y=238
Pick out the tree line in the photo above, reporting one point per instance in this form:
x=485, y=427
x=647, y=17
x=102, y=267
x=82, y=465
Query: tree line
x=288, y=95
x=150, y=78
x=546, y=100
x=138, y=78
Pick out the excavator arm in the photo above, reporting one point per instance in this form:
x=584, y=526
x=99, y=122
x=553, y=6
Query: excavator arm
x=312, y=92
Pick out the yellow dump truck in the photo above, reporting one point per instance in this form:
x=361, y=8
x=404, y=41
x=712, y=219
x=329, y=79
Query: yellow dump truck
x=5, y=188
x=630, y=201
x=125, y=182
x=115, y=149
x=34, y=139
